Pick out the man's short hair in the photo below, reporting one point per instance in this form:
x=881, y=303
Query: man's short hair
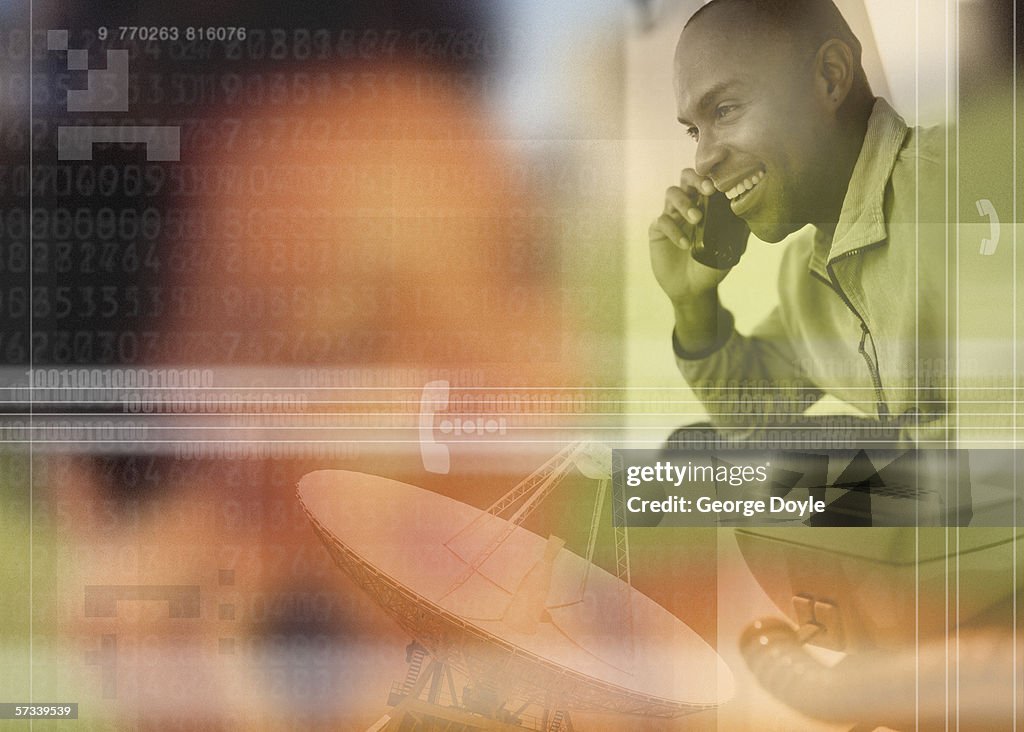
x=809, y=22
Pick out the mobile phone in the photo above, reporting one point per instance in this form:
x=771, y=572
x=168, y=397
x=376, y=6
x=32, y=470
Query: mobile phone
x=721, y=236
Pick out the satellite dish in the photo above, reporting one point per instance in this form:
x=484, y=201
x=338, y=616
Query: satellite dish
x=506, y=607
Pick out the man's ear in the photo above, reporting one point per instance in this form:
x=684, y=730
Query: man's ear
x=834, y=73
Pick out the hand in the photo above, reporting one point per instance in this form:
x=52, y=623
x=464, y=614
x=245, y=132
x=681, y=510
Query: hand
x=671, y=236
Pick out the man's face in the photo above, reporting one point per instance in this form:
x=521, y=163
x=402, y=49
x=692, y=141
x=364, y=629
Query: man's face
x=391, y=263
x=748, y=98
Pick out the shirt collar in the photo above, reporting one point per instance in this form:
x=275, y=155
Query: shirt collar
x=862, y=221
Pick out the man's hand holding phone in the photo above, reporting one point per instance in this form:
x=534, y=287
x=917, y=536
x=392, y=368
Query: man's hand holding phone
x=691, y=285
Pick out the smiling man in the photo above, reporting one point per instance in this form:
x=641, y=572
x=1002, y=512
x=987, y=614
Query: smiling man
x=787, y=128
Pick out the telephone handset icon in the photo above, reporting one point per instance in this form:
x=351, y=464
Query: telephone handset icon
x=436, y=458
x=985, y=208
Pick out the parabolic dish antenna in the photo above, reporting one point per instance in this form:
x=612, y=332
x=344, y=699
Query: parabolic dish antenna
x=508, y=608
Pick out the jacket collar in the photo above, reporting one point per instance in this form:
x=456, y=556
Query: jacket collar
x=862, y=221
